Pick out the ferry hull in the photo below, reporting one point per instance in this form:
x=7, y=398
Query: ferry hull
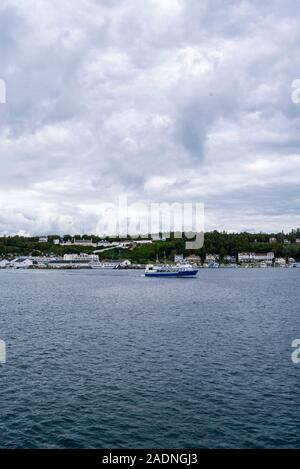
x=187, y=274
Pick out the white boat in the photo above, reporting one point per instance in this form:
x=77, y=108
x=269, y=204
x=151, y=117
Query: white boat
x=213, y=265
x=295, y=265
x=182, y=270
x=105, y=265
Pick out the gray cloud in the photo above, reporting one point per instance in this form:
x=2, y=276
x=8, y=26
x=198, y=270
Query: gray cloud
x=172, y=101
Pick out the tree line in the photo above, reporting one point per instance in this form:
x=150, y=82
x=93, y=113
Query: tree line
x=215, y=242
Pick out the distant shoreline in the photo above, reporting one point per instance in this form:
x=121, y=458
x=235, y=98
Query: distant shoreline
x=142, y=267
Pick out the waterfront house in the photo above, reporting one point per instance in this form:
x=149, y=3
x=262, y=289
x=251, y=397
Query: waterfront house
x=280, y=262
x=211, y=258
x=193, y=259
x=112, y=264
x=124, y=263
x=264, y=257
x=70, y=264
x=246, y=256
x=256, y=257
x=20, y=263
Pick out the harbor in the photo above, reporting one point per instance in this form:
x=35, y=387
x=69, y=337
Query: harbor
x=220, y=250
x=85, y=261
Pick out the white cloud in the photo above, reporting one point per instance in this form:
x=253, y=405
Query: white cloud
x=174, y=100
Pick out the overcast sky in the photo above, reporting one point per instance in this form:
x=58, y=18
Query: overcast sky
x=162, y=100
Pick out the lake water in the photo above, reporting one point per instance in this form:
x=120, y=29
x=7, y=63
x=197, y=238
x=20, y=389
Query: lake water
x=99, y=359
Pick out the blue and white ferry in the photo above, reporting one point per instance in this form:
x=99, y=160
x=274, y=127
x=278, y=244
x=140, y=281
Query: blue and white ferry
x=177, y=271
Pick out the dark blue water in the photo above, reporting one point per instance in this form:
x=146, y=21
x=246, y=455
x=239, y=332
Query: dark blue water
x=111, y=359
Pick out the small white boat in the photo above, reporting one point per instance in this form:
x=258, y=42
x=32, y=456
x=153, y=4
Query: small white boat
x=213, y=265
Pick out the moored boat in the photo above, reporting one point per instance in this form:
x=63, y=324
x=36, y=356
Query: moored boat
x=105, y=265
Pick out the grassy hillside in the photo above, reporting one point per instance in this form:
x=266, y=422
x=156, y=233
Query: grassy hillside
x=215, y=243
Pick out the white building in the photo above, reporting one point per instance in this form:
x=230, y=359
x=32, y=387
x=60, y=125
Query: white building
x=107, y=244
x=246, y=256
x=111, y=264
x=125, y=244
x=21, y=263
x=80, y=242
x=125, y=263
x=84, y=242
x=280, y=261
x=264, y=256
x=81, y=257
x=158, y=237
x=56, y=241
x=256, y=257
x=272, y=240
x=211, y=258
x=115, y=244
x=193, y=259
x=43, y=239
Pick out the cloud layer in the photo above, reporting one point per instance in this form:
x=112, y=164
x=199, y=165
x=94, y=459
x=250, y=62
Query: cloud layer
x=162, y=100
